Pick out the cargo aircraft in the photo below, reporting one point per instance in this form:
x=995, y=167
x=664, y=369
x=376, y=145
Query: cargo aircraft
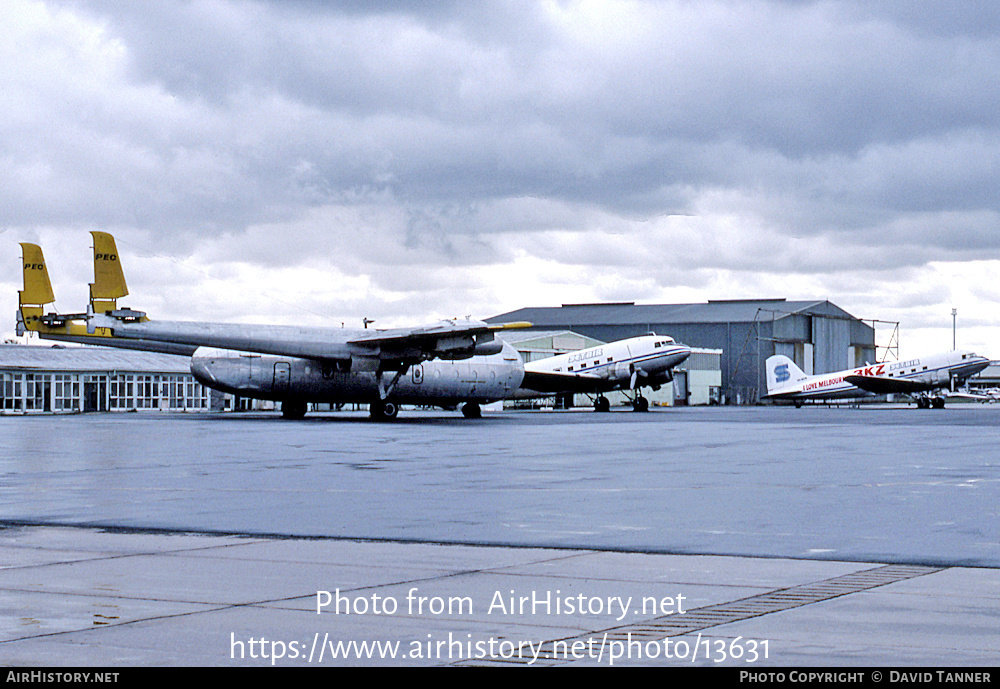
x=624, y=365
x=926, y=380
x=446, y=364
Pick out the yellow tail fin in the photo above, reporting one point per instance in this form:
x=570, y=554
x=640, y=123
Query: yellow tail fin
x=37, y=288
x=109, y=281
x=37, y=293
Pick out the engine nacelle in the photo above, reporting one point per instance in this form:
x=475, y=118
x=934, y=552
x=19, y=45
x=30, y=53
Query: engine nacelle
x=484, y=345
x=488, y=348
x=661, y=378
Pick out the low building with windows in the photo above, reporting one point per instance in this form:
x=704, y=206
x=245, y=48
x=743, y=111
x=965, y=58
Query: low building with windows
x=80, y=379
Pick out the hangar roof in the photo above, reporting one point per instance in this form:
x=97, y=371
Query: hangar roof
x=630, y=313
x=59, y=358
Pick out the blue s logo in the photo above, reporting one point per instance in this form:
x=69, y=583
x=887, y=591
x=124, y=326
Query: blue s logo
x=781, y=373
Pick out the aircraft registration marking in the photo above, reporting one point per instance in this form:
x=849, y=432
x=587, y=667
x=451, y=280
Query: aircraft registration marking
x=583, y=356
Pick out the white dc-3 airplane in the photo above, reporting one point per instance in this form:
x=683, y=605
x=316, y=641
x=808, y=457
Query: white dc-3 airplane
x=926, y=379
x=629, y=364
x=445, y=364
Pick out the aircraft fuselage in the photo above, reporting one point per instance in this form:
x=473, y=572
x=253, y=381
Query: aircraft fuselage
x=645, y=360
x=786, y=381
x=479, y=379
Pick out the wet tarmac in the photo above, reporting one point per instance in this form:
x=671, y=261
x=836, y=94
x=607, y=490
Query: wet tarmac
x=871, y=484
x=177, y=526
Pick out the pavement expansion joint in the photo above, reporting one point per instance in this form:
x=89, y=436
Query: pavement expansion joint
x=698, y=619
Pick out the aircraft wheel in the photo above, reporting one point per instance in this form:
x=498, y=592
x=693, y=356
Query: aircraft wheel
x=640, y=404
x=923, y=403
x=293, y=409
x=937, y=403
x=471, y=410
x=383, y=411
x=602, y=404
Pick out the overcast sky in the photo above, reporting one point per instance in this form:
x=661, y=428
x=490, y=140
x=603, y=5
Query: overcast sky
x=321, y=162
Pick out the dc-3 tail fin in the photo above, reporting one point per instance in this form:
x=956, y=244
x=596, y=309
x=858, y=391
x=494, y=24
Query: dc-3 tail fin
x=109, y=281
x=37, y=290
x=781, y=373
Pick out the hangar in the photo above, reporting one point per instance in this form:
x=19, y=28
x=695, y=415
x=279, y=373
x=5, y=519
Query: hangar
x=818, y=335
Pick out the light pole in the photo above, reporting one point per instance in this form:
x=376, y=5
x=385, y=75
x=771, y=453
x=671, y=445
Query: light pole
x=954, y=314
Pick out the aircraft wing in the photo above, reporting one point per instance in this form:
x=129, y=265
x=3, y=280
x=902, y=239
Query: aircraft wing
x=881, y=385
x=107, y=324
x=121, y=343
x=547, y=381
x=446, y=339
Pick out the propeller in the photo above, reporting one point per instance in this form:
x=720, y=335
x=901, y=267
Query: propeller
x=637, y=373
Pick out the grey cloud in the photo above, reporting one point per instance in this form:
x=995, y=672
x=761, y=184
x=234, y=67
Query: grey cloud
x=428, y=108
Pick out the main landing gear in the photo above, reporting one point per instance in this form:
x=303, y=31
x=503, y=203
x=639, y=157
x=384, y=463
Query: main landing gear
x=930, y=403
x=639, y=403
x=293, y=409
x=384, y=410
x=387, y=410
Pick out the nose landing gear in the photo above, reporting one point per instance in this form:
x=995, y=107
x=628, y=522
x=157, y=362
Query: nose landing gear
x=640, y=403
